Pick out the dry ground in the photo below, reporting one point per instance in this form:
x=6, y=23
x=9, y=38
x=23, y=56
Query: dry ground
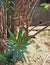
x=38, y=50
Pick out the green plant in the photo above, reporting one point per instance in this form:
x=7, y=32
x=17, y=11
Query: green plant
x=15, y=48
x=45, y=5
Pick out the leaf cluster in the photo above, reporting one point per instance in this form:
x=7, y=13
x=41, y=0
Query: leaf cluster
x=45, y=5
x=15, y=48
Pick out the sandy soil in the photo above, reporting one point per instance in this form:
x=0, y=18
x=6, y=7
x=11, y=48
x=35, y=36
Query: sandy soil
x=38, y=50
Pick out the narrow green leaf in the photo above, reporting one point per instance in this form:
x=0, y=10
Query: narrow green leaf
x=14, y=57
x=26, y=44
x=23, y=48
x=22, y=57
x=20, y=33
x=25, y=39
x=12, y=2
x=12, y=35
x=19, y=39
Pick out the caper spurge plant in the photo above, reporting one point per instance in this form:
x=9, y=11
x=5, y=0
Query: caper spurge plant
x=15, y=48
